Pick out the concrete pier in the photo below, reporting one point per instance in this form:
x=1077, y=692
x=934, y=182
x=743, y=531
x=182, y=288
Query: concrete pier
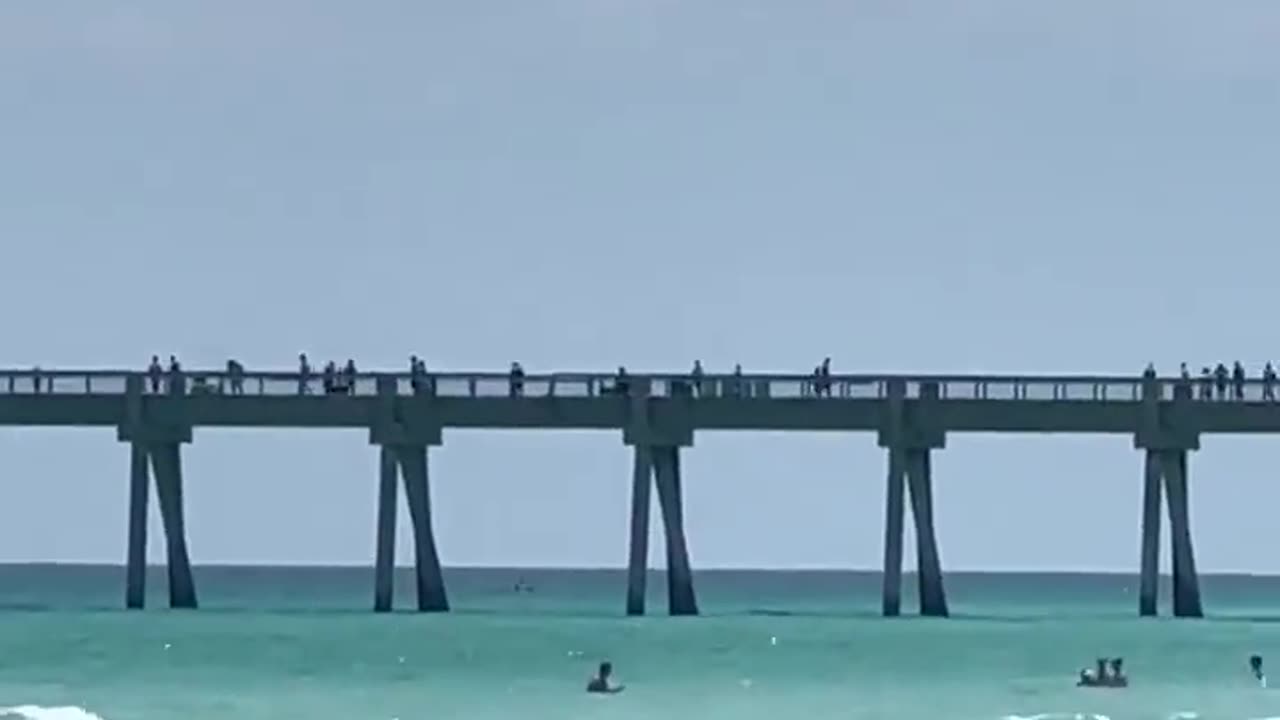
x=933, y=599
x=638, y=555
x=657, y=415
x=385, y=551
x=895, y=488
x=680, y=595
x=1186, y=582
x=417, y=491
x=409, y=462
x=1148, y=586
x=1167, y=431
x=139, y=503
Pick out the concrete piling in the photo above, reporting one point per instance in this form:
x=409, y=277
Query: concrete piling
x=1148, y=583
x=680, y=595
x=638, y=555
x=417, y=491
x=385, y=551
x=166, y=463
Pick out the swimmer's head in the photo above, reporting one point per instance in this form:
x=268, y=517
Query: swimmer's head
x=606, y=669
x=1255, y=662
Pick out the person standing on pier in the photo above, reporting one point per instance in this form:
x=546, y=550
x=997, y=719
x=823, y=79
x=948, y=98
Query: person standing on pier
x=1206, y=384
x=349, y=376
x=517, y=380
x=1269, y=382
x=155, y=373
x=304, y=374
x=235, y=376
x=1237, y=380
x=1220, y=380
x=175, y=373
x=696, y=377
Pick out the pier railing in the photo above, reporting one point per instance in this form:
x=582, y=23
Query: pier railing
x=595, y=385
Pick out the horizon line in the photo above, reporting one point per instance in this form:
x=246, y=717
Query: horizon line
x=619, y=568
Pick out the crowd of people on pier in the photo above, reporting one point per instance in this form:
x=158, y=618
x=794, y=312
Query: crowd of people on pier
x=1220, y=383
x=1217, y=383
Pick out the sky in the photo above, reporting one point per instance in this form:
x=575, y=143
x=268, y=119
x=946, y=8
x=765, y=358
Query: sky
x=994, y=186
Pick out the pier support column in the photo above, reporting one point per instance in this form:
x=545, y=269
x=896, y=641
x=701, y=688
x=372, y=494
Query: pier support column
x=908, y=434
x=135, y=593
x=1168, y=428
x=1149, y=581
x=638, y=557
x=1186, y=583
x=933, y=599
x=680, y=595
x=385, y=558
x=417, y=491
x=166, y=462
x=891, y=602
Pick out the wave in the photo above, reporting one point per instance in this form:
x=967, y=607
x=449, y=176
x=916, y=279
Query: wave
x=38, y=712
x=1058, y=716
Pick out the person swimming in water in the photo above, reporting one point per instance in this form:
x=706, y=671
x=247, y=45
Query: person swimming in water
x=1117, y=678
x=600, y=683
x=1255, y=664
x=1109, y=673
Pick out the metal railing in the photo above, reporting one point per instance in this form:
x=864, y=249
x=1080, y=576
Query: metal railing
x=592, y=385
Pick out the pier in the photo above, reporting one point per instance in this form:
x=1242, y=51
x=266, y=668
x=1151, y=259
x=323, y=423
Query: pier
x=657, y=416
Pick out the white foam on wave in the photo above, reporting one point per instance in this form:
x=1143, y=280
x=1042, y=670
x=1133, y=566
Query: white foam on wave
x=38, y=712
x=1060, y=716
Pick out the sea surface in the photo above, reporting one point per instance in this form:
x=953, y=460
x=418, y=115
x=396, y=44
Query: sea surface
x=301, y=643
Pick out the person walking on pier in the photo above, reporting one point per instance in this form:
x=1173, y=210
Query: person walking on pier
x=175, y=374
x=1269, y=382
x=304, y=374
x=329, y=378
x=1220, y=380
x=1237, y=380
x=235, y=376
x=517, y=380
x=349, y=376
x=696, y=377
x=155, y=373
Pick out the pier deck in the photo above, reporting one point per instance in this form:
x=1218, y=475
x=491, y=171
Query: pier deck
x=657, y=415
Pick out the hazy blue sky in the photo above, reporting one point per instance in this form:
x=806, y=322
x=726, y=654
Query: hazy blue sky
x=999, y=186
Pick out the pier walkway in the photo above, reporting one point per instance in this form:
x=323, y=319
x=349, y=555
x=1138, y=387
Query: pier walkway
x=657, y=416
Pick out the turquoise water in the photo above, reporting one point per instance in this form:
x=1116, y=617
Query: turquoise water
x=291, y=643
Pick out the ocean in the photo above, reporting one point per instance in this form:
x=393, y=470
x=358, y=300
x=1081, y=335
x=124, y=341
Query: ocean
x=302, y=643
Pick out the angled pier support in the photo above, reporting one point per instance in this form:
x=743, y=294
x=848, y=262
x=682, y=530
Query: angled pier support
x=403, y=436
x=165, y=459
x=1166, y=434
x=908, y=444
x=410, y=463
x=656, y=429
x=1186, y=582
x=156, y=428
x=680, y=595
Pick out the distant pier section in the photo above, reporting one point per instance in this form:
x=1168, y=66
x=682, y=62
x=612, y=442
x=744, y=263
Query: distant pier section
x=658, y=416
